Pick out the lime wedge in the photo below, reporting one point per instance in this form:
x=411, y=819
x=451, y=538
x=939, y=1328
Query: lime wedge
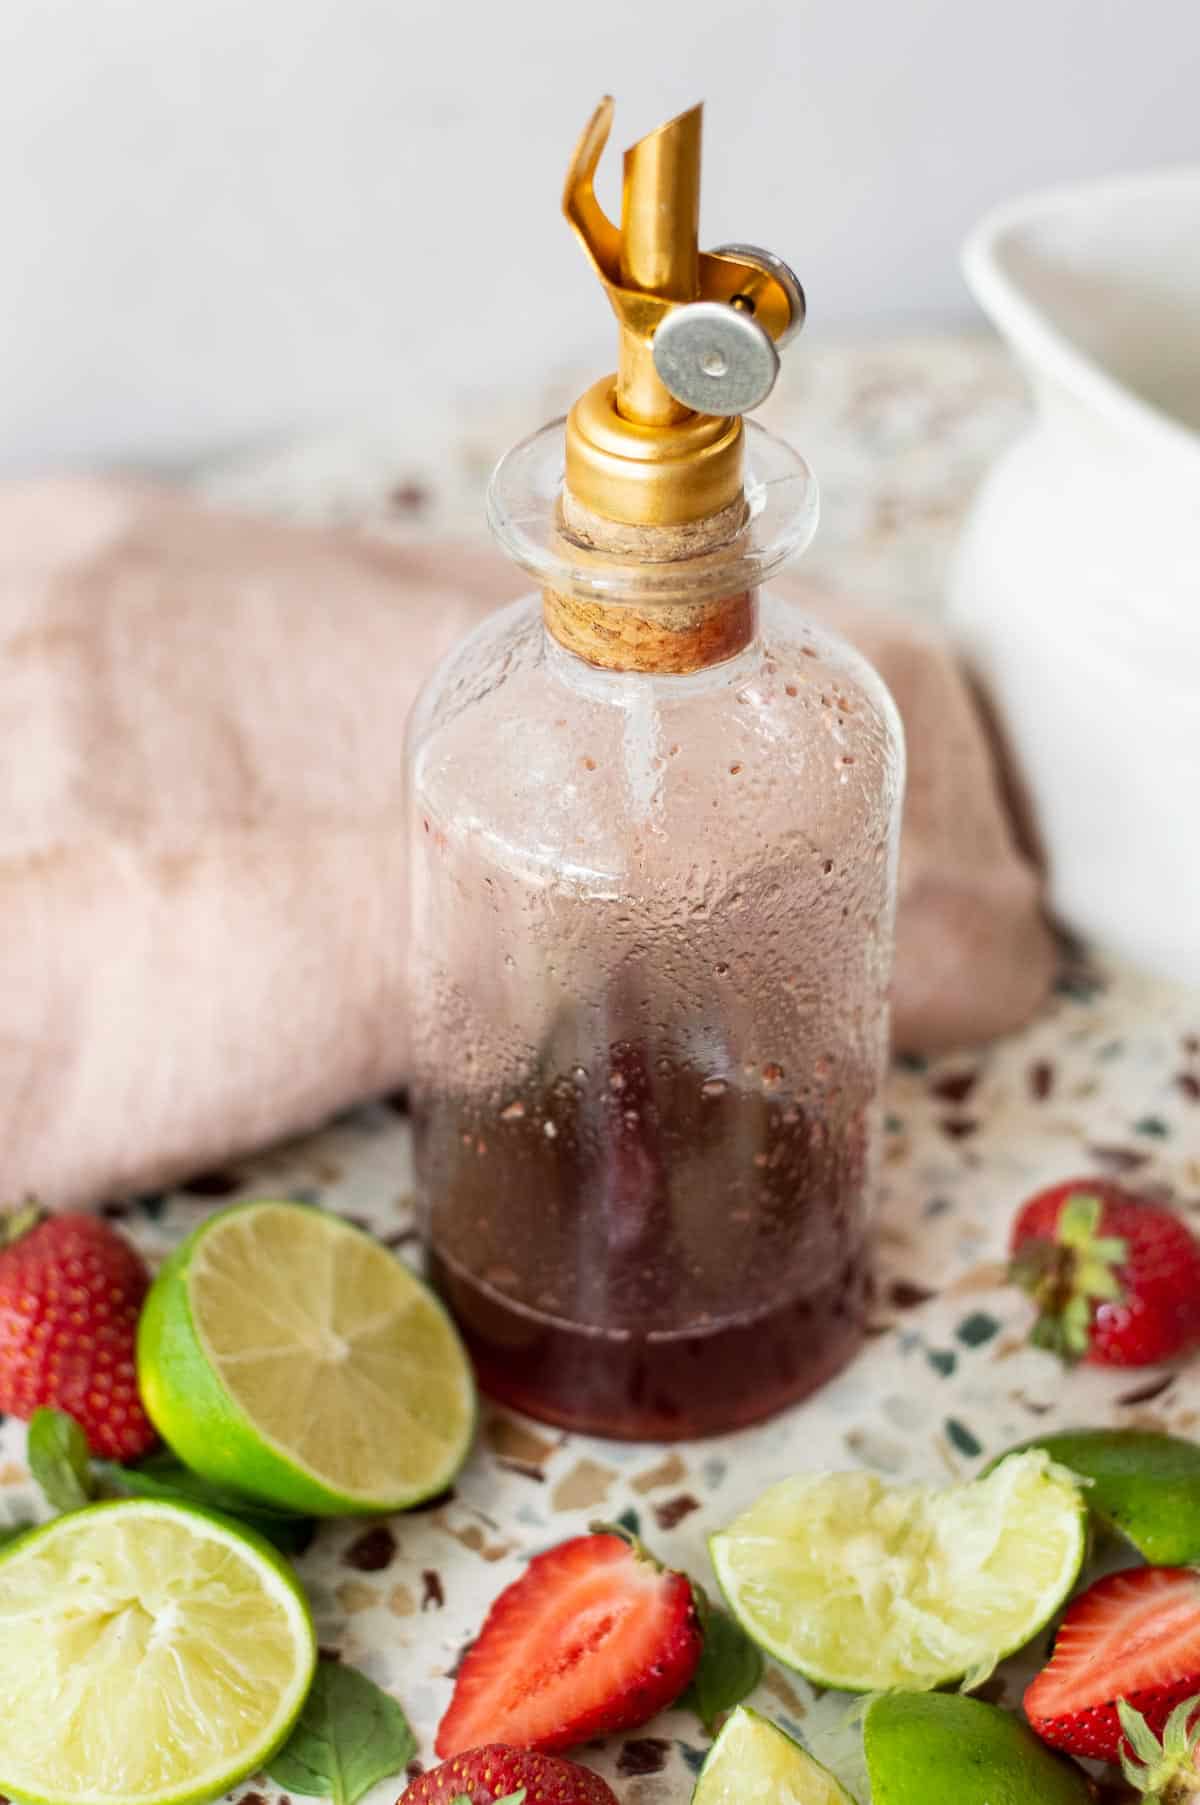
x=867, y=1586
x=941, y=1749
x=1141, y=1483
x=286, y=1354
x=753, y=1759
x=150, y=1654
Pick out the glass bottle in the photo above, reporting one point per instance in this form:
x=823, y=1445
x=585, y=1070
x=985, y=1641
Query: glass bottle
x=654, y=816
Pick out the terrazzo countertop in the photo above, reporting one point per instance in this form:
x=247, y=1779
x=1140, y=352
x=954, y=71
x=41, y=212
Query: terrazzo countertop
x=1108, y=1080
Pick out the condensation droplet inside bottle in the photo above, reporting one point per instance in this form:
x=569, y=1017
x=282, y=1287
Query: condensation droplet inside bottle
x=513, y=1112
x=721, y=968
x=714, y=1087
x=550, y=1131
x=772, y=1073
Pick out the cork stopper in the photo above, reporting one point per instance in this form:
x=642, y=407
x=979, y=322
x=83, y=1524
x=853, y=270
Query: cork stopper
x=663, y=637
x=669, y=598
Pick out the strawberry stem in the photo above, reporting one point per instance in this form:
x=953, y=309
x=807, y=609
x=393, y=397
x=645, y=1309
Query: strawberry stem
x=17, y=1223
x=1069, y=1275
x=1163, y=1772
x=632, y=1541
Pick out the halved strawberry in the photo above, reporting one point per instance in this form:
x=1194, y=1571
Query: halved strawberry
x=1133, y=1637
x=497, y=1774
x=594, y=1637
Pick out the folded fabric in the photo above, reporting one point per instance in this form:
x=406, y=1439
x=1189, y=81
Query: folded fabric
x=975, y=956
x=202, y=934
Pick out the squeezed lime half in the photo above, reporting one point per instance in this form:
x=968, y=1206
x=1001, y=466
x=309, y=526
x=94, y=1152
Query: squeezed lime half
x=867, y=1586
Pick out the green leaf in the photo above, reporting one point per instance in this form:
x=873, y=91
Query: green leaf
x=9, y=1532
x=349, y=1735
x=510, y=1798
x=162, y=1476
x=730, y=1667
x=59, y=1460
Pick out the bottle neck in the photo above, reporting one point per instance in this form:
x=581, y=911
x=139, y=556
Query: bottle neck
x=656, y=637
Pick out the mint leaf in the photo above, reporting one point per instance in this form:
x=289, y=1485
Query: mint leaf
x=162, y=1476
x=349, y=1735
x=730, y=1667
x=60, y=1462
x=59, y=1459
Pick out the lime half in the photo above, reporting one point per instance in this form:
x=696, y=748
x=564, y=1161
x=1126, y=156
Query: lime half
x=753, y=1759
x=941, y=1749
x=286, y=1354
x=149, y=1654
x=868, y=1587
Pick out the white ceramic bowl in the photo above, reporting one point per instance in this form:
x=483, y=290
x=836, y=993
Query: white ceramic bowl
x=1077, y=585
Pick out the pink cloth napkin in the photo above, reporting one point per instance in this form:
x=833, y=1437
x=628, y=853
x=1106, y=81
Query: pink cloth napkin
x=202, y=937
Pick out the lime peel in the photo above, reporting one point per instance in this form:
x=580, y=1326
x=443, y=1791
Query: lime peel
x=867, y=1586
x=939, y=1748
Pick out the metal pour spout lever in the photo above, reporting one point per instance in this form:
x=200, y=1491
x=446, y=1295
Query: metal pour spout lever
x=700, y=331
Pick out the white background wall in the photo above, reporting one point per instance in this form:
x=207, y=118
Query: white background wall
x=223, y=221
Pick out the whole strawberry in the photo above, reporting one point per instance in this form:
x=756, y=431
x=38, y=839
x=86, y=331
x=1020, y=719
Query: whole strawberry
x=497, y=1773
x=1116, y=1277
x=70, y=1294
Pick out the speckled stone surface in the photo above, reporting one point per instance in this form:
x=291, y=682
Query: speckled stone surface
x=1107, y=1081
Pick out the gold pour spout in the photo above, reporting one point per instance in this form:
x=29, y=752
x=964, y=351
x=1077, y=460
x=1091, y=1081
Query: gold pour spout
x=635, y=452
x=653, y=260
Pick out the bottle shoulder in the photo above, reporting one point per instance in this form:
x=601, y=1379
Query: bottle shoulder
x=796, y=734
x=508, y=657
